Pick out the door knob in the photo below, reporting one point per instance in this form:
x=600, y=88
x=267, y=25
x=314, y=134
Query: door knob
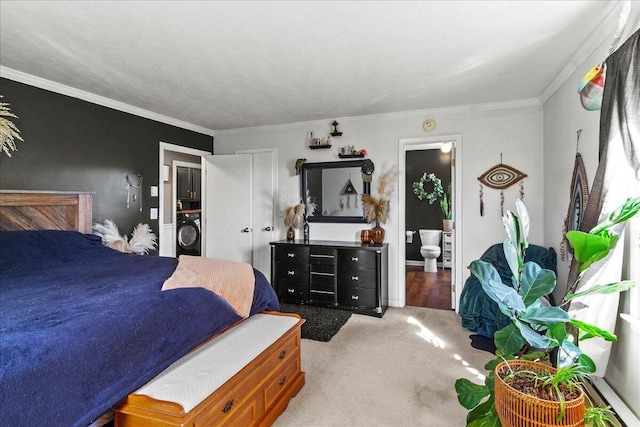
x=268, y=229
x=246, y=230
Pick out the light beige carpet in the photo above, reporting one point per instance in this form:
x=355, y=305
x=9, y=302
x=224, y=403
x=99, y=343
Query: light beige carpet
x=396, y=371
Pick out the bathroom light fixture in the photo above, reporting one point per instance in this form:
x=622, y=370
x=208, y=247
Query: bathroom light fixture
x=446, y=147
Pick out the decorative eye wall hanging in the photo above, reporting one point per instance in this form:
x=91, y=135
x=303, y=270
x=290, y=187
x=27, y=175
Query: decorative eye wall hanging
x=578, y=197
x=499, y=177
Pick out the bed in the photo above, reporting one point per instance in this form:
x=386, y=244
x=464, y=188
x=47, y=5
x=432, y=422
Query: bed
x=83, y=327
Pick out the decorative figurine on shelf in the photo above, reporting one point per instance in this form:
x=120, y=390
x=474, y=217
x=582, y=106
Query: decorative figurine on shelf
x=335, y=129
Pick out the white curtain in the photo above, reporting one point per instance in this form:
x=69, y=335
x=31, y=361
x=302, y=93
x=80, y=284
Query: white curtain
x=617, y=178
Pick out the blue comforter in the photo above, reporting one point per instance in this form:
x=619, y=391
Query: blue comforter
x=478, y=312
x=82, y=325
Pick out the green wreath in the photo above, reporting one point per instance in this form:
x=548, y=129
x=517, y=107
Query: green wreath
x=420, y=191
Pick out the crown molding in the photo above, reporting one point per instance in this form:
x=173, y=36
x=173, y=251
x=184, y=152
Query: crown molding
x=39, y=82
x=603, y=31
x=505, y=105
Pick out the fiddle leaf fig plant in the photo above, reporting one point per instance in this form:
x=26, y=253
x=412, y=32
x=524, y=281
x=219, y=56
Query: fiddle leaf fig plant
x=536, y=328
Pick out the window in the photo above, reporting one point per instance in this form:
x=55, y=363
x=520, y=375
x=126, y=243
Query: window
x=632, y=270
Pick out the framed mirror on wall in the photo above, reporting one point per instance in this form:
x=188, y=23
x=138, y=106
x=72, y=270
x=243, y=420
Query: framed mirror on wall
x=335, y=188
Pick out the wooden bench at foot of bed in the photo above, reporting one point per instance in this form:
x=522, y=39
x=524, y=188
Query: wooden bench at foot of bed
x=189, y=393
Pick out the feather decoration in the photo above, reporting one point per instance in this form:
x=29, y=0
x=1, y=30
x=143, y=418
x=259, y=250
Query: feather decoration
x=378, y=208
x=141, y=242
x=109, y=232
x=142, y=239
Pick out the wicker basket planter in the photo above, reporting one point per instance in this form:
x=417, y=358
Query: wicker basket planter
x=516, y=409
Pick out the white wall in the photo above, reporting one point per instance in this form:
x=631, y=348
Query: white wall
x=563, y=116
x=513, y=129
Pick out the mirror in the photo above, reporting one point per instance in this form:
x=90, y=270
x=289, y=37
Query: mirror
x=335, y=188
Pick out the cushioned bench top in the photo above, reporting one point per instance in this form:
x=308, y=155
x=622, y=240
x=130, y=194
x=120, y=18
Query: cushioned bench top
x=193, y=378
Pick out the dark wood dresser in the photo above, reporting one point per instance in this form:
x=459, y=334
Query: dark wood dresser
x=344, y=275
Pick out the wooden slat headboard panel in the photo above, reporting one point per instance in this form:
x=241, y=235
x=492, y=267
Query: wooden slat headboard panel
x=45, y=210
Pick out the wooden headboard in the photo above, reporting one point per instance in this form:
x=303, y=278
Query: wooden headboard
x=45, y=210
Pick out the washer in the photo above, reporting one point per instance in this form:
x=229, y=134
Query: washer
x=188, y=240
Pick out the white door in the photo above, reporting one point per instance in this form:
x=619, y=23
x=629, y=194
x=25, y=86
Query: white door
x=238, y=193
x=227, y=207
x=262, y=212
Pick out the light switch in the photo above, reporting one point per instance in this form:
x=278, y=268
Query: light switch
x=153, y=213
x=154, y=191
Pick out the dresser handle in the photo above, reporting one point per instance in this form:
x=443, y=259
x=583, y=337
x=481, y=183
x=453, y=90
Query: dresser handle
x=290, y=255
x=355, y=297
x=291, y=291
x=291, y=273
x=228, y=406
x=354, y=258
x=282, y=380
x=354, y=278
x=282, y=354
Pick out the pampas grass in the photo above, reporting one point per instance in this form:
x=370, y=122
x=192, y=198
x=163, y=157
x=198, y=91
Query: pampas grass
x=378, y=208
x=294, y=216
x=142, y=239
x=8, y=130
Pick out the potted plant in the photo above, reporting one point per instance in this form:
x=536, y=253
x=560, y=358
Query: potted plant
x=437, y=193
x=538, y=332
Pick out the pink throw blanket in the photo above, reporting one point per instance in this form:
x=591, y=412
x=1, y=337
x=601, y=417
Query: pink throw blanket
x=233, y=281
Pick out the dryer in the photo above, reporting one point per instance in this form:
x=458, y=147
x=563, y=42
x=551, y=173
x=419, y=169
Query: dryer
x=188, y=241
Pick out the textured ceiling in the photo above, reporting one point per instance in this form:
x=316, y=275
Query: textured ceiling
x=224, y=65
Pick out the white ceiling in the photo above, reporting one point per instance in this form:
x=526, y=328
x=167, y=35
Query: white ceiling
x=225, y=65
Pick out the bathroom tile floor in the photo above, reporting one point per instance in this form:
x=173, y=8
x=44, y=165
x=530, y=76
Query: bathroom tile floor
x=431, y=290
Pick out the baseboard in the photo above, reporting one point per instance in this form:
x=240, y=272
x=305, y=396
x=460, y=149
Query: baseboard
x=602, y=394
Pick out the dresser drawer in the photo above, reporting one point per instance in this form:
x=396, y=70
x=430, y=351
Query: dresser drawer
x=349, y=278
x=357, y=297
x=356, y=259
x=292, y=254
x=292, y=273
x=322, y=283
x=293, y=291
x=278, y=384
x=322, y=256
x=325, y=297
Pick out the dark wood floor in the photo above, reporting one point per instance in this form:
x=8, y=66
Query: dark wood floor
x=431, y=290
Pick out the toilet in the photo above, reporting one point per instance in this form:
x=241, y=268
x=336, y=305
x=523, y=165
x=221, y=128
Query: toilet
x=430, y=249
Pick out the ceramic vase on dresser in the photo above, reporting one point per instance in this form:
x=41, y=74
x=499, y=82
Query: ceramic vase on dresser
x=377, y=234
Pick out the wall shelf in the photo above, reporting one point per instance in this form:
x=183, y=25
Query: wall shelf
x=351, y=156
x=315, y=147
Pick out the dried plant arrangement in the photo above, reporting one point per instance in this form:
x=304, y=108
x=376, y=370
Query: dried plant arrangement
x=8, y=130
x=294, y=216
x=378, y=208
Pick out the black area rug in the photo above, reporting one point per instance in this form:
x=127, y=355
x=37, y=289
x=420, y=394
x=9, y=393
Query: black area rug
x=483, y=343
x=321, y=323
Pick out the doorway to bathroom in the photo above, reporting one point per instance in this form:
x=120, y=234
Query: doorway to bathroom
x=427, y=196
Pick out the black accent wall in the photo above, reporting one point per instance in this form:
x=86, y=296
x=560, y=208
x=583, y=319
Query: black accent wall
x=74, y=145
x=419, y=213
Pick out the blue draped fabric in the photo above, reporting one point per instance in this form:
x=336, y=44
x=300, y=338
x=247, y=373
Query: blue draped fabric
x=82, y=325
x=479, y=313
